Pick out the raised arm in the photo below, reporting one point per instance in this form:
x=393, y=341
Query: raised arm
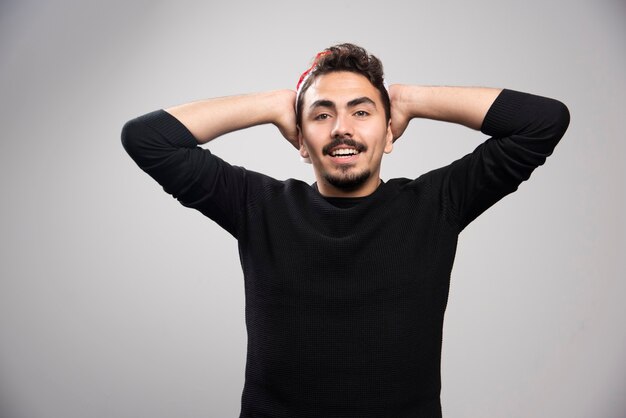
x=463, y=105
x=208, y=119
x=164, y=144
x=524, y=130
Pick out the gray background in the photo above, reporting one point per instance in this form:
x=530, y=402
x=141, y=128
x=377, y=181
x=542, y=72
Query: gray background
x=115, y=301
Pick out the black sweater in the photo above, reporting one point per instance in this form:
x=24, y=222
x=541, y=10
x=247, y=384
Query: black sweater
x=345, y=299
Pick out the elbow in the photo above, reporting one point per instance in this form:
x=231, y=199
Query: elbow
x=556, y=119
x=561, y=118
x=130, y=134
x=551, y=124
x=548, y=125
x=137, y=140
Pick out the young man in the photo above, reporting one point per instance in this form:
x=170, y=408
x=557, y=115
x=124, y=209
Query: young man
x=347, y=279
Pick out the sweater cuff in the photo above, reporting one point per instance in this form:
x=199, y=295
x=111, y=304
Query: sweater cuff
x=171, y=128
x=500, y=118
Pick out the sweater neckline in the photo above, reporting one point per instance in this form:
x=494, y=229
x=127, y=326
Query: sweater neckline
x=349, y=202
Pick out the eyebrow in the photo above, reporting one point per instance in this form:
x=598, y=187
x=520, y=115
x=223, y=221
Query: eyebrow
x=351, y=103
x=361, y=100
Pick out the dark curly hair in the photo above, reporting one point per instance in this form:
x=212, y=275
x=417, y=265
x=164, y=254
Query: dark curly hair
x=346, y=57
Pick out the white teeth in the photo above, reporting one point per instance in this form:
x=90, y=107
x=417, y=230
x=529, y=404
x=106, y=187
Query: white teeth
x=343, y=152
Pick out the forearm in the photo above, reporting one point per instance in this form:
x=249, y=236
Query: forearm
x=208, y=119
x=463, y=105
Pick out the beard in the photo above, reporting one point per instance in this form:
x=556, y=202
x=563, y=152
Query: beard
x=348, y=181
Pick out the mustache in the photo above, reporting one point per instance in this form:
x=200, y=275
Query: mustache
x=343, y=141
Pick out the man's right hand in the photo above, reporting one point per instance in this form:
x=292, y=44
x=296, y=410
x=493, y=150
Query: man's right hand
x=285, y=119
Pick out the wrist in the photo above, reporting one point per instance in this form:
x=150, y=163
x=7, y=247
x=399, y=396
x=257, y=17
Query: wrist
x=410, y=100
x=280, y=103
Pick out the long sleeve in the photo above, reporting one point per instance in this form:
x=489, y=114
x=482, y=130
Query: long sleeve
x=524, y=131
x=164, y=148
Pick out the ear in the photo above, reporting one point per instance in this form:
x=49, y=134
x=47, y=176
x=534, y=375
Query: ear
x=304, y=153
x=388, y=139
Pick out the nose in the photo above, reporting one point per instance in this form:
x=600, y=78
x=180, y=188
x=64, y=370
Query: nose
x=343, y=127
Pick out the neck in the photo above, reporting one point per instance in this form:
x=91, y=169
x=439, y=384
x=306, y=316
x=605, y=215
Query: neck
x=328, y=190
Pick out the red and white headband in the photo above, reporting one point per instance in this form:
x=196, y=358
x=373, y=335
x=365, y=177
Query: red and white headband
x=305, y=75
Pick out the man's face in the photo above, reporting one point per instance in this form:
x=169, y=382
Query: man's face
x=345, y=133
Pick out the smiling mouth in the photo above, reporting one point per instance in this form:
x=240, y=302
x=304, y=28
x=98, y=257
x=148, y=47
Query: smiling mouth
x=344, y=152
x=344, y=148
